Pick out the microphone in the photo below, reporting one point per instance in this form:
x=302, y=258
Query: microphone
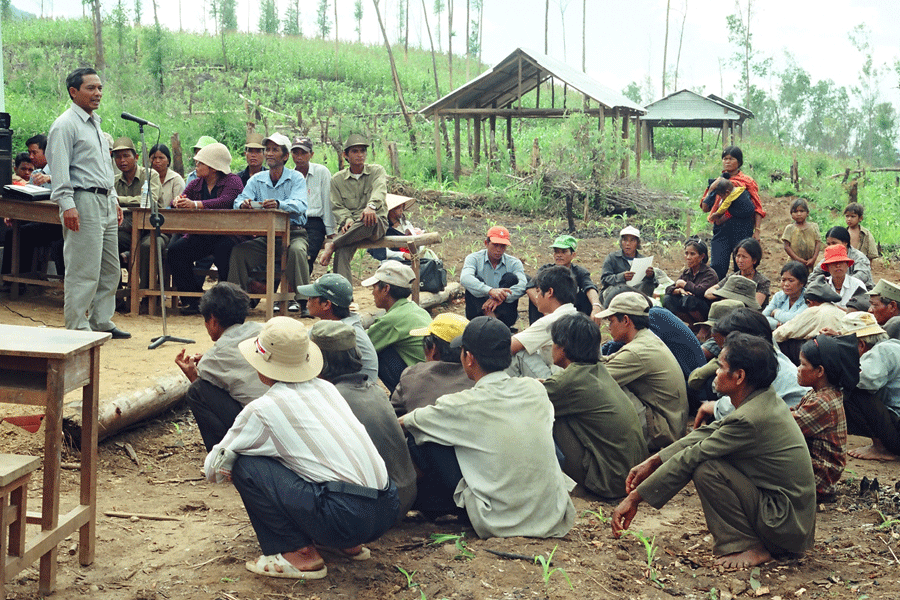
x=138, y=120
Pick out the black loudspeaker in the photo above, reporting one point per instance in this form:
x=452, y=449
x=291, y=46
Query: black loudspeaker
x=6, y=157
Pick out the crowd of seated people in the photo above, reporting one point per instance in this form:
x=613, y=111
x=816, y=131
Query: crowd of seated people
x=750, y=396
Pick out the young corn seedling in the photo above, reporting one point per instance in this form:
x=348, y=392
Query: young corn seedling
x=650, y=548
x=546, y=572
x=410, y=584
x=463, y=552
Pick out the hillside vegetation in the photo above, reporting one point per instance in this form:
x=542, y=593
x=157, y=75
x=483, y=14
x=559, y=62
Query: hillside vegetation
x=298, y=85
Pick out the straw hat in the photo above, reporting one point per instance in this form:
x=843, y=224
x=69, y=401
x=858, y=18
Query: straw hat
x=393, y=201
x=216, y=156
x=283, y=351
x=738, y=287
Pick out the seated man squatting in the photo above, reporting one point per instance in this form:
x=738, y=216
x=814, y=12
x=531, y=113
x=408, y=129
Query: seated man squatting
x=341, y=365
x=587, y=300
x=494, y=281
x=751, y=470
x=596, y=427
x=477, y=453
x=307, y=471
x=222, y=381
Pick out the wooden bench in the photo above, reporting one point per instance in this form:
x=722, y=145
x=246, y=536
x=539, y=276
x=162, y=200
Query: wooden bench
x=15, y=471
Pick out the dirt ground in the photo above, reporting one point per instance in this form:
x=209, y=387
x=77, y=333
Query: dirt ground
x=201, y=554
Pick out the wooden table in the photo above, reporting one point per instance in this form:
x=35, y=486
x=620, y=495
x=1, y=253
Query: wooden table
x=38, y=366
x=41, y=211
x=270, y=223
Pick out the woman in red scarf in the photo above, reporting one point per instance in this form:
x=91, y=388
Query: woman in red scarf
x=739, y=221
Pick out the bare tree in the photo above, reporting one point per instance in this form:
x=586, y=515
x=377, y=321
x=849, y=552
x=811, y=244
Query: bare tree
x=335, y=41
x=563, y=6
x=358, y=15
x=468, y=34
x=100, y=61
x=397, y=86
x=680, y=42
x=665, y=48
x=546, y=27
x=584, y=36
x=450, y=39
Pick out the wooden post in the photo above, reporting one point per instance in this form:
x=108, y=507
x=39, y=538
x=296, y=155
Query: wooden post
x=394, y=157
x=601, y=120
x=537, y=102
x=510, y=144
x=457, y=167
x=437, y=145
x=552, y=92
x=724, y=133
x=565, y=94
x=493, y=141
x=624, y=171
x=637, y=147
x=177, y=159
x=519, y=92
x=477, y=144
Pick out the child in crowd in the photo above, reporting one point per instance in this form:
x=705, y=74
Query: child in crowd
x=860, y=237
x=802, y=239
x=827, y=365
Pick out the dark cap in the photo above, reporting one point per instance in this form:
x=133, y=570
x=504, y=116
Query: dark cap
x=330, y=286
x=486, y=336
x=304, y=143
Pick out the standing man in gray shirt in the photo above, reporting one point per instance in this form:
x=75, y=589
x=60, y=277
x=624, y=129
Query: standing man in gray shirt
x=82, y=186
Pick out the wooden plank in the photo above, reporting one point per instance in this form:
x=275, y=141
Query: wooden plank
x=46, y=342
x=457, y=164
x=46, y=541
x=477, y=126
x=539, y=113
x=14, y=466
x=437, y=146
x=90, y=400
x=78, y=372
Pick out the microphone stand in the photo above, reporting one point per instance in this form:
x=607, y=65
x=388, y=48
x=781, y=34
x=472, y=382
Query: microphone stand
x=156, y=220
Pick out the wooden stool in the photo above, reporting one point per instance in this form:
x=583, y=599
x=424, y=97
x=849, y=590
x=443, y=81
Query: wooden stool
x=15, y=471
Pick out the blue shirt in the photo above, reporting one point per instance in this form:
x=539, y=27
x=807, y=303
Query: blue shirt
x=781, y=302
x=479, y=276
x=879, y=368
x=290, y=191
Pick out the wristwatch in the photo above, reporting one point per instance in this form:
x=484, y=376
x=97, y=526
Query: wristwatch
x=371, y=206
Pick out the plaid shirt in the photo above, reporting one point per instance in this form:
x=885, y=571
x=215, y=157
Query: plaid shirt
x=821, y=418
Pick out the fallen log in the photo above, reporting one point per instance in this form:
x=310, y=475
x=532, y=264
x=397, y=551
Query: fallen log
x=124, y=410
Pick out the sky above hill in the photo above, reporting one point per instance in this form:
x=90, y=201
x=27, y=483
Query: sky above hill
x=625, y=39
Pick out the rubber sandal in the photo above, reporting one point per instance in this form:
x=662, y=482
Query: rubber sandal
x=265, y=565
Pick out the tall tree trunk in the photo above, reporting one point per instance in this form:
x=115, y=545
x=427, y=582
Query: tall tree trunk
x=584, y=36
x=403, y=109
x=666, y=48
x=468, y=33
x=546, y=27
x=680, y=42
x=100, y=59
x=406, y=31
x=335, y=41
x=437, y=87
x=450, y=39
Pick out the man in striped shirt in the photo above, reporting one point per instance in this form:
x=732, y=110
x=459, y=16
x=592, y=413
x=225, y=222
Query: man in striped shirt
x=306, y=469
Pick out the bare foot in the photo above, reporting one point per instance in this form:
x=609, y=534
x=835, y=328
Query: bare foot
x=751, y=557
x=327, y=251
x=352, y=551
x=305, y=559
x=874, y=451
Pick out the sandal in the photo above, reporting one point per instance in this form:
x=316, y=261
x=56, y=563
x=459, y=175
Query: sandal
x=265, y=565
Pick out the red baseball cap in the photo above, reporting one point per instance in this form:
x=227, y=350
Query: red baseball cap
x=499, y=235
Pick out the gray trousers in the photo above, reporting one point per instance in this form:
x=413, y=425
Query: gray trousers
x=92, y=264
x=731, y=506
x=248, y=255
x=345, y=244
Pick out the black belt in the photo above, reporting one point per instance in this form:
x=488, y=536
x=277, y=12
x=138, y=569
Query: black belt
x=342, y=487
x=94, y=190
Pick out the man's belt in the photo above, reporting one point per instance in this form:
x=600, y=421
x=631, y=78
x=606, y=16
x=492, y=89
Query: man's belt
x=93, y=190
x=343, y=487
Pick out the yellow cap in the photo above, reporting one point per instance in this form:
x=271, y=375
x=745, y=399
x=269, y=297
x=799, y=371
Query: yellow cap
x=446, y=326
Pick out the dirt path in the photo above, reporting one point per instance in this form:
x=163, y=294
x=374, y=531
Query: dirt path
x=201, y=555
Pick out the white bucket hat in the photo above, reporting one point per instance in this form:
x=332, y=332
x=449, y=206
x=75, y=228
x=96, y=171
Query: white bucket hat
x=215, y=156
x=283, y=351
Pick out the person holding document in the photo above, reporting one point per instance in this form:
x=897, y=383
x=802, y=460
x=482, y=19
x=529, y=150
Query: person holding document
x=619, y=268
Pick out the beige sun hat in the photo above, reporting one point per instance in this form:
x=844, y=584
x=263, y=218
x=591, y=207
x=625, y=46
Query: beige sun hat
x=393, y=201
x=860, y=323
x=721, y=309
x=628, y=303
x=283, y=351
x=216, y=156
x=392, y=272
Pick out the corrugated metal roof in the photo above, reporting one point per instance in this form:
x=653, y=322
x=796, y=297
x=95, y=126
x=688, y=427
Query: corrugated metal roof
x=500, y=86
x=732, y=106
x=687, y=106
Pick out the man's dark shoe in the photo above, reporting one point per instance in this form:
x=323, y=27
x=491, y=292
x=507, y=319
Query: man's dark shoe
x=118, y=334
x=190, y=308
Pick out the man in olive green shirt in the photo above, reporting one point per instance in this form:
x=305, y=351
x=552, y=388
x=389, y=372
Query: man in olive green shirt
x=357, y=201
x=751, y=469
x=390, y=334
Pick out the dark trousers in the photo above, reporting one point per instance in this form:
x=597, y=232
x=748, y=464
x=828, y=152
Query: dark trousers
x=288, y=512
x=440, y=476
x=507, y=312
x=31, y=237
x=214, y=410
x=390, y=367
x=315, y=234
x=685, y=305
x=868, y=416
x=182, y=253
